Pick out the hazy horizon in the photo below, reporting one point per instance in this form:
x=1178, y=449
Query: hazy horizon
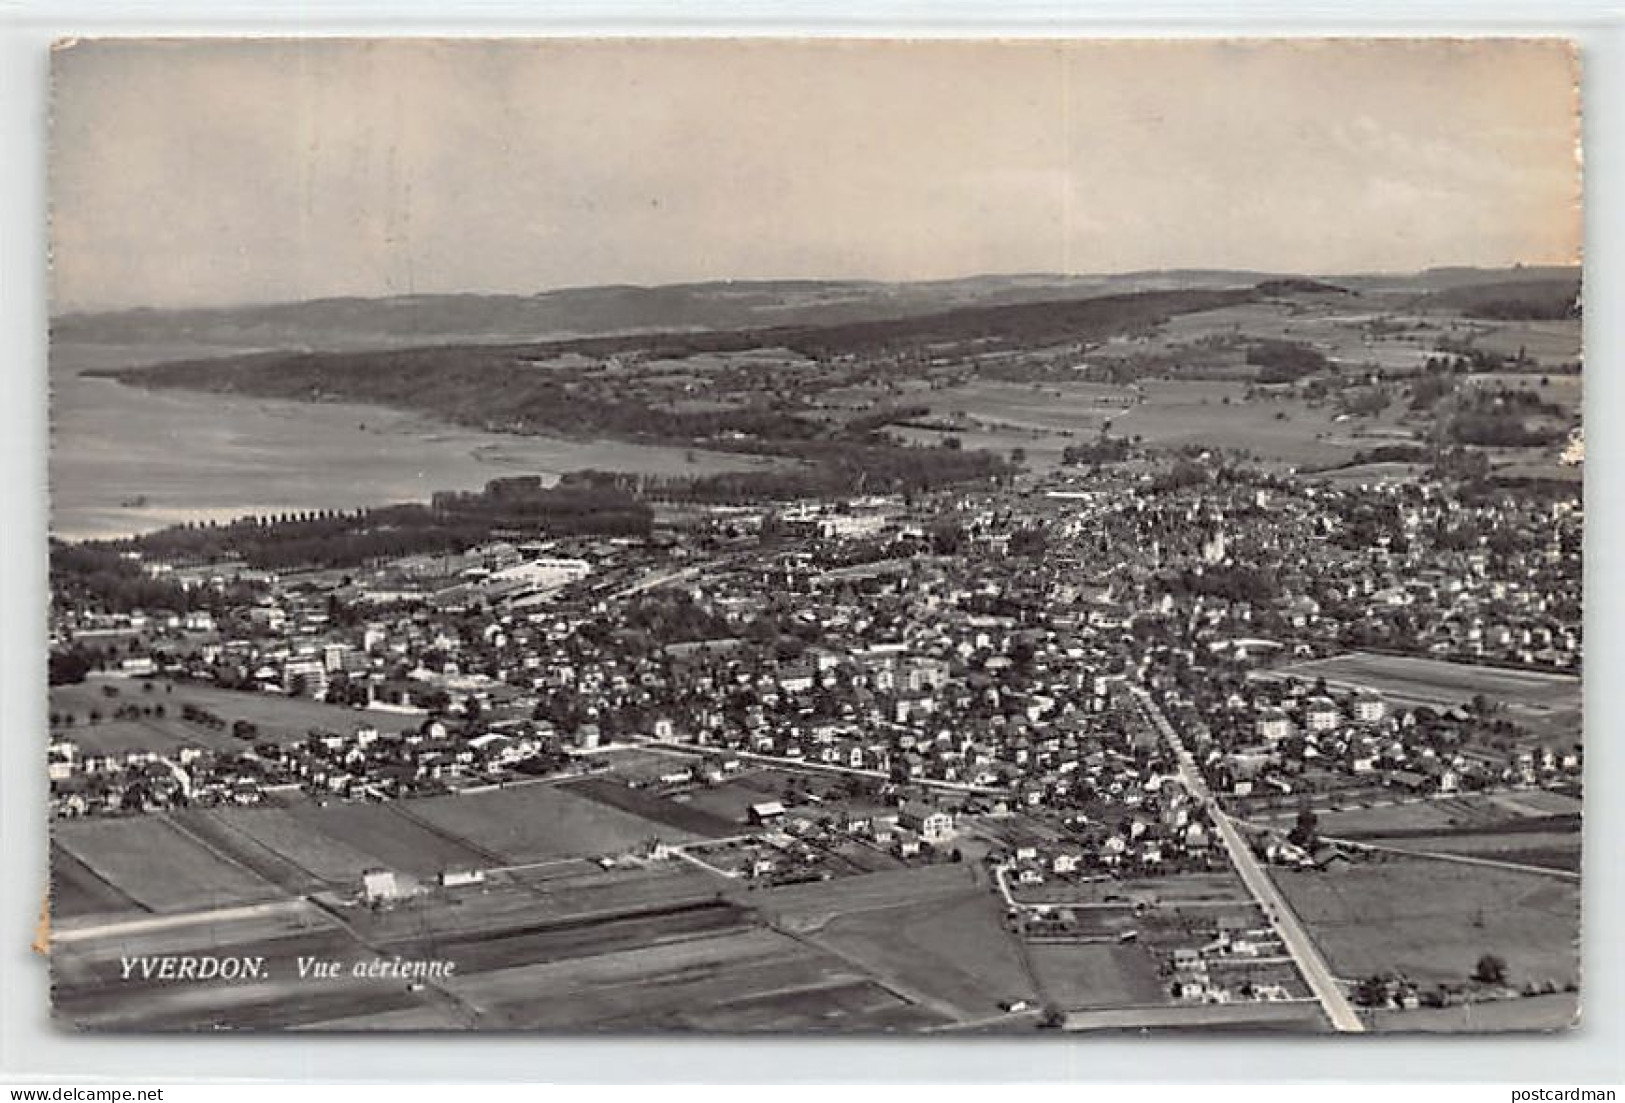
x=248, y=173
x=264, y=304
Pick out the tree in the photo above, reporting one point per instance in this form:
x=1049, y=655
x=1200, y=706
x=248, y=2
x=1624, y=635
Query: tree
x=947, y=536
x=1304, y=833
x=68, y=668
x=1491, y=969
x=1371, y=991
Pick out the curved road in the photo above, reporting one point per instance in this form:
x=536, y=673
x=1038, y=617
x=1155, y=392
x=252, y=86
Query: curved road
x=1296, y=940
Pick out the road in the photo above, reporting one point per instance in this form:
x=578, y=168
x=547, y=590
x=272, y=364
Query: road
x=657, y=580
x=676, y=574
x=1296, y=940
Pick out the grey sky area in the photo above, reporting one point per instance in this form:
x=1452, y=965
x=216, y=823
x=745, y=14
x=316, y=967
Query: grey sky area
x=216, y=172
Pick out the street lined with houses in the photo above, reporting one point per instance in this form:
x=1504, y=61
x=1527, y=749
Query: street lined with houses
x=1304, y=953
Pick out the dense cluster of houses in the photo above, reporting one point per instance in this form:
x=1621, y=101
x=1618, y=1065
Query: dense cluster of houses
x=362, y=764
x=1160, y=831
x=1275, y=742
x=974, y=644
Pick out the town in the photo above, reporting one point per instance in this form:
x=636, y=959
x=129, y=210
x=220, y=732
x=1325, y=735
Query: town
x=1134, y=720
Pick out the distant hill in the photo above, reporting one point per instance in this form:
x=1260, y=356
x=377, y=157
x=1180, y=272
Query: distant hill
x=417, y=320
x=335, y=324
x=493, y=385
x=1451, y=278
x=1511, y=299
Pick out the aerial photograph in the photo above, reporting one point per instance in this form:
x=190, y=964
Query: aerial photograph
x=815, y=536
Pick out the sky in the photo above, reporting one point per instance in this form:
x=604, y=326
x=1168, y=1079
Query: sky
x=219, y=172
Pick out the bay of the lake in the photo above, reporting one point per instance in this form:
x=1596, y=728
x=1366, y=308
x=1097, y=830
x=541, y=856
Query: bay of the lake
x=126, y=459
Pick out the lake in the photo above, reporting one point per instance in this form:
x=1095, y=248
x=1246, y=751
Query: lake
x=126, y=460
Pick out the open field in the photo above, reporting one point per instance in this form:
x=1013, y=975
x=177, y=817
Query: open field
x=509, y=902
x=637, y=949
x=529, y=823
x=1538, y=802
x=1547, y=342
x=672, y=817
x=420, y=1017
x=249, y=833
x=1559, y=1011
x=1339, y=327
x=157, y=866
x=809, y=1003
x=1548, y=849
x=159, y=735
x=1434, y=682
x=1283, y=431
x=388, y=834
x=1295, y=1016
x=1096, y=975
x=1475, y=812
x=1044, y=418
x=280, y=717
x=1421, y=815
x=206, y=826
x=731, y=800
x=277, y=717
x=867, y=858
x=525, y=944
x=743, y=980
x=1432, y=920
x=810, y=906
x=92, y=992
x=955, y=951
x=500, y=941
x=1353, y=333
x=642, y=766
x=77, y=891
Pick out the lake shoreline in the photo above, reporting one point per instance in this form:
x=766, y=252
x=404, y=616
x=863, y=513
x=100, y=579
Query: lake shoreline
x=211, y=456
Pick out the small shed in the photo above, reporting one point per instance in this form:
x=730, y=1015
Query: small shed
x=767, y=812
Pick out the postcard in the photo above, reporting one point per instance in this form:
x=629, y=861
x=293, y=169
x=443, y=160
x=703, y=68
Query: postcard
x=815, y=535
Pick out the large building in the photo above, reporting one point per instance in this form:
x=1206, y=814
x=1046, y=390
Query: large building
x=306, y=677
x=932, y=824
x=540, y=575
